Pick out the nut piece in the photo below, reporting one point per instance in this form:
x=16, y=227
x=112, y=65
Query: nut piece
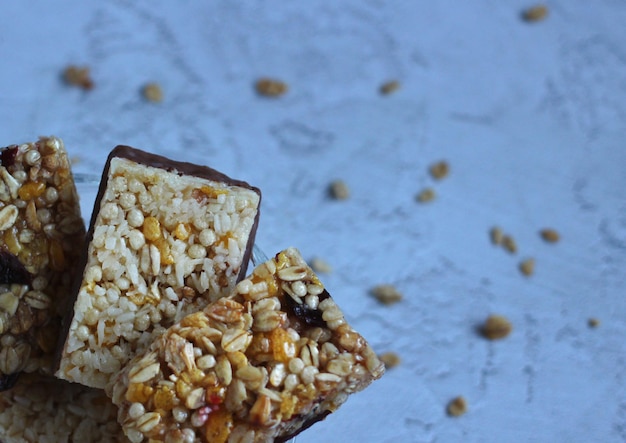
x=390, y=359
x=496, y=327
x=389, y=87
x=457, y=407
x=339, y=190
x=153, y=92
x=550, y=235
x=535, y=13
x=426, y=195
x=269, y=87
x=439, y=170
x=78, y=76
x=527, y=267
x=387, y=294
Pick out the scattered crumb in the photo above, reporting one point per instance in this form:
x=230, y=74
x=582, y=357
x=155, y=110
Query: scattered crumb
x=386, y=294
x=496, y=235
x=339, y=190
x=509, y=244
x=78, y=76
x=426, y=195
x=535, y=13
x=550, y=235
x=527, y=267
x=74, y=160
x=439, y=170
x=390, y=359
x=496, y=327
x=153, y=92
x=321, y=265
x=389, y=87
x=457, y=407
x=593, y=322
x=271, y=87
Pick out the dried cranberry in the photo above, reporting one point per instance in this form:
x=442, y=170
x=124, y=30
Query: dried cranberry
x=12, y=270
x=7, y=156
x=310, y=316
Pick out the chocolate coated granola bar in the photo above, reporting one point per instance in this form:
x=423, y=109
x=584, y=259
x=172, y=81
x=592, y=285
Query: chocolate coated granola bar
x=258, y=366
x=165, y=239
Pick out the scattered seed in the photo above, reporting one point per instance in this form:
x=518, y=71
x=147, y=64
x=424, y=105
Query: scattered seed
x=271, y=87
x=550, y=235
x=439, y=170
x=593, y=322
x=457, y=407
x=153, y=92
x=389, y=87
x=426, y=195
x=386, y=294
x=496, y=235
x=535, y=13
x=321, y=265
x=509, y=244
x=339, y=190
x=390, y=359
x=78, y=76
x=496, y=327
x=527, y=267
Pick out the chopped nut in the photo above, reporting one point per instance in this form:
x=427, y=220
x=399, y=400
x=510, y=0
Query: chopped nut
x=527, y=267
x=426, y=195
x=439, y=170
x=457, y=407
x=593, y=322
x=387, y=294
x=153, y=92
x=269, y=87
x=535, y=13
x=389, y=87
x=339, y=190
x=550, y=235
x=509, y=244
x=390, y=359
x=496, y=235
x=78, y=76
x=496, y=327
x=321, y=265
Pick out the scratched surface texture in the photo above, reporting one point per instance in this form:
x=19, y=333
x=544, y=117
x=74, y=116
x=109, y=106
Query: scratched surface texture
x=530, y=116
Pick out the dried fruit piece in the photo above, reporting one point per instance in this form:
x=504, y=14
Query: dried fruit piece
x=496, y=327
x=457, y=407
x=527, y=267
x=550, y=235
x=386, y=294
x=439, y=170
x=78, y=76
x=269, y=87
x=389, y=87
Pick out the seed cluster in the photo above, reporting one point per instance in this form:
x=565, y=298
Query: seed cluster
x=163, y=244
x=41, y=231
x=252, y=367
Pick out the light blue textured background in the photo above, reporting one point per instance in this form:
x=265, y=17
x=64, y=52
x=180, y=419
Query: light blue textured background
x=531, y=117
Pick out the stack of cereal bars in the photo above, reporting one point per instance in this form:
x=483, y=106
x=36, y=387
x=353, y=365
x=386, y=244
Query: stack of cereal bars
x=146, y=328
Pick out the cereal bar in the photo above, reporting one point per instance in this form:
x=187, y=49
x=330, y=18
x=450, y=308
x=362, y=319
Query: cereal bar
x=41, y=235
x=258, y=366
x=165, y=238
x=48, y=410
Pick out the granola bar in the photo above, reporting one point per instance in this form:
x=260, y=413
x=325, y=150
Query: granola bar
x=48, y=410
x=41, y=234
x=258, y=366
x=165, y=238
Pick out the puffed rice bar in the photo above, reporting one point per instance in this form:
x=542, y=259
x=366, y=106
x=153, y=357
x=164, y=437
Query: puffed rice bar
x=259, y=366
x=41, y=236
x=165, y=238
